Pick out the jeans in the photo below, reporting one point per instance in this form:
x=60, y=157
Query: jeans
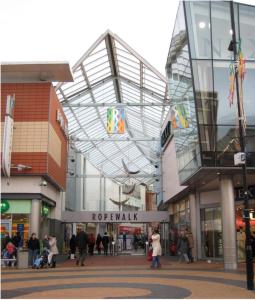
x=82, y=256
x=32, y=256
x=155, y=261
x=185, y=255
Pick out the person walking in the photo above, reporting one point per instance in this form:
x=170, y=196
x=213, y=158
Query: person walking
x=72, y=245
x=156, y=249
x=99, y=244
x=189, y=236
x=124, y=241
x=183, y=247
x=105, y=241
x=91, y=243
x=33, y=248
x=17, y=240
x=53, y=251
x=81, y=244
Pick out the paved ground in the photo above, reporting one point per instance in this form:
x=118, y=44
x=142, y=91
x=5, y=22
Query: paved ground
x=125, y=277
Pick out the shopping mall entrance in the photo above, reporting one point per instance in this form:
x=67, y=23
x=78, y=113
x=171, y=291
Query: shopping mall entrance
x=128, y=231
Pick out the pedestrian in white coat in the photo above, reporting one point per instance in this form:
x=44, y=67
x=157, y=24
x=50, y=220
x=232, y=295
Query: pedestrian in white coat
x=156, y=249
x=53, y=250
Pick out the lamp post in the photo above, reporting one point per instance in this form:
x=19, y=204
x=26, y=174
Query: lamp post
x=248, y=247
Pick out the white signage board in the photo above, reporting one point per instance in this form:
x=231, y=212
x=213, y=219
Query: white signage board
x=115, y=216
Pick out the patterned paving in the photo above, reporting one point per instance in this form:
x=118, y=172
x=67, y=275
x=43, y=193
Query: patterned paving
x=132, y=280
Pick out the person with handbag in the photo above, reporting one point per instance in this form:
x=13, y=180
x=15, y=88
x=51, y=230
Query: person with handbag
x=99, y=244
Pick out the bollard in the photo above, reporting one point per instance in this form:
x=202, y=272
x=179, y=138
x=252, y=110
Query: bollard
x=113, y=248
x=146, y=247
x=22, y=259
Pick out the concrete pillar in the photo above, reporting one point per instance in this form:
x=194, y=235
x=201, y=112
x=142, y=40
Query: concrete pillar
x=35, y=216
x=195, y=223
x=228, y=223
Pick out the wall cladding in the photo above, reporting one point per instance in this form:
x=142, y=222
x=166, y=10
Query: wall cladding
x=38, y=139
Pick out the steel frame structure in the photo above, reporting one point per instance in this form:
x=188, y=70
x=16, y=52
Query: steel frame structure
x=111, y=73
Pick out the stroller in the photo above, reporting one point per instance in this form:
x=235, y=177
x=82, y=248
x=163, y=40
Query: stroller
x=41, y=260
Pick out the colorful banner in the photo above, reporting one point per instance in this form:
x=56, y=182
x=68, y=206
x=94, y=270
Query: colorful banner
x=115, y=120
x=179, y=117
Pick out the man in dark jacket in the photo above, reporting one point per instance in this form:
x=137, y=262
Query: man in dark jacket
x=81, y=243
x=33, y=248
x=105, y=242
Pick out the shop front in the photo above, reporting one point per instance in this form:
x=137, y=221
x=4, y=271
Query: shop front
x=15, y=217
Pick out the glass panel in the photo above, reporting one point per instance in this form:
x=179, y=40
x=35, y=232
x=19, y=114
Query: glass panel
x=205, y=98
x=247, y=29
x=250, y=146
x=211, y=232
x=225, y=114
x=249, y=93
x=198, y=19
x=221, y=29
x=184, y=125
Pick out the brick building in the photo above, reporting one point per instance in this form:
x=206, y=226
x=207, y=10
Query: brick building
x=34, y=145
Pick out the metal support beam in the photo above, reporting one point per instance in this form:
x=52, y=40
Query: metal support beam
x=117, y=104
x=116, y=176
x=115, y=139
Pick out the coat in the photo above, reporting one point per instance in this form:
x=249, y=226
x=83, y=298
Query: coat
x=53, y=245
x=189, y=236
x=81, y=240
x=183, y=245
x=33, y=244
x=157, y=250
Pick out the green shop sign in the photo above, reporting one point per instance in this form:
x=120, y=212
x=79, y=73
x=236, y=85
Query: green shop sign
x=4, y=206
x=45, y=211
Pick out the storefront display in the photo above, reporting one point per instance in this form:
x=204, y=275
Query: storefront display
x=240, y=231
x=16, y=218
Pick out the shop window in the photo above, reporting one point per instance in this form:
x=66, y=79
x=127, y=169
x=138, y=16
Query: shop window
x=20, y=223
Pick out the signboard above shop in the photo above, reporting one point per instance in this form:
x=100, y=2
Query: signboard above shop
x=115, y=216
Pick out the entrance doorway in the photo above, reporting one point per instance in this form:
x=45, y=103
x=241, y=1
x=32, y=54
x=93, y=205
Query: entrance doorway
x=211, y=232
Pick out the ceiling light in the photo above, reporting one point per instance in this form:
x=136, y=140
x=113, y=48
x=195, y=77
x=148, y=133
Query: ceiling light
x=231, y=31
x=201, y=25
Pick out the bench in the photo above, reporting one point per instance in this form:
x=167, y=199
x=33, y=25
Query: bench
x=3, y=260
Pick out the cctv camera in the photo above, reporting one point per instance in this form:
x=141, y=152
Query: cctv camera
x=44, y=183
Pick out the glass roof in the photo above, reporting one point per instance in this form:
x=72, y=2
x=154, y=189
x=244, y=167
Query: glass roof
x=111, y=72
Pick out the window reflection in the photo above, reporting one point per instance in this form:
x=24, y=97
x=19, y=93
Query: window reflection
x=247, y=29
x=221, y=29
x=198, y=19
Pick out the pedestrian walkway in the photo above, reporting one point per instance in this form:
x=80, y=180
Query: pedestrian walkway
x=125, y=277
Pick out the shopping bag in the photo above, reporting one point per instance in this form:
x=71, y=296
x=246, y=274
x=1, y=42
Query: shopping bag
x=149, y=255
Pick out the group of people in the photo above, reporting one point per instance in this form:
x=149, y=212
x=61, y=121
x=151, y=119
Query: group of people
x=83, y=242
x=9, y=248
x=49, y=250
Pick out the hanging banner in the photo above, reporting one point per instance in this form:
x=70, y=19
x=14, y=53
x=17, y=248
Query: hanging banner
x=115, y=120
x=8, y=136
x=179, y=117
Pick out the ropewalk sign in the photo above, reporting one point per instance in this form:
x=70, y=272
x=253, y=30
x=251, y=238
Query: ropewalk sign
x=114, y=216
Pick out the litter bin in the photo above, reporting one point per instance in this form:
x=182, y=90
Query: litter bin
x=22, y=259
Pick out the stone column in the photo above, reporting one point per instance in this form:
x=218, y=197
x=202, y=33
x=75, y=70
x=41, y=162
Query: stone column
x=35, y=217
x=228, y=223
x=194, y=222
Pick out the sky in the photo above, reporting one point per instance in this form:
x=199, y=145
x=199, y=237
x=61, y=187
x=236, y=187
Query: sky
x=62, y=30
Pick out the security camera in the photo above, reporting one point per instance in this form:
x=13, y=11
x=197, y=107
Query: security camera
x=44, y=183
x=72, y=160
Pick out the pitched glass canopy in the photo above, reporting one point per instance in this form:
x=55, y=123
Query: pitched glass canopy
x=109, y=74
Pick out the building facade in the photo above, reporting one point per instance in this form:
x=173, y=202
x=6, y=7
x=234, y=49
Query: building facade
x=204, y=124
x=33, y=188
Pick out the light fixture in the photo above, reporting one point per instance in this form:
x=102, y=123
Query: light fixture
x=218, y=173
x=201, y=25
x=231, y=31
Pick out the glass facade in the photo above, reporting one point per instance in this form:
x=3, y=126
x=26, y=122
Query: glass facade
x=198, y=77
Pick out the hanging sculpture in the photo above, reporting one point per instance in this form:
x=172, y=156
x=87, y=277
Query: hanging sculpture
x=115, y=120
x=127, y=170
x=128, y=189
x=119, y=203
